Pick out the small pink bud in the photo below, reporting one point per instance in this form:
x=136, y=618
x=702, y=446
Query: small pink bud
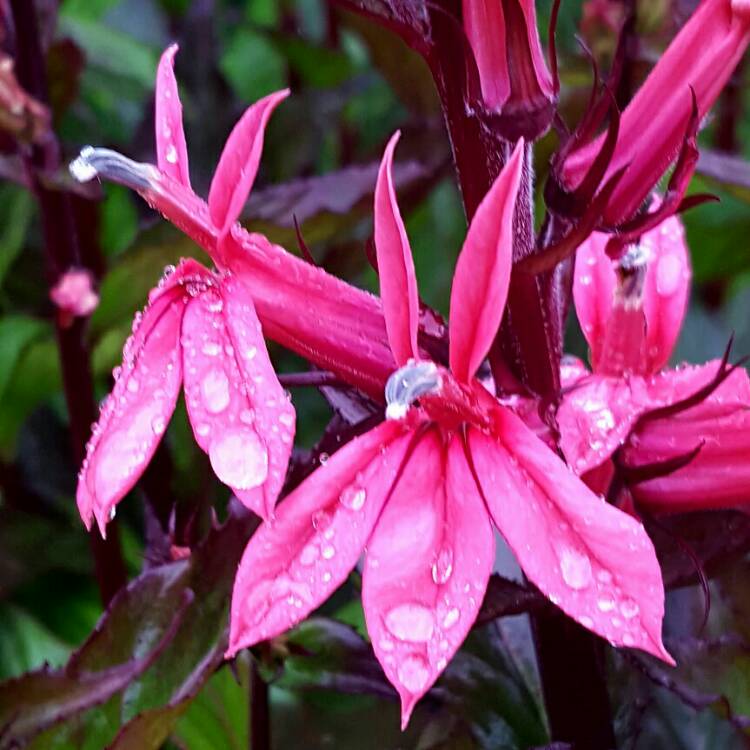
x=513, y=73
x=74, y=295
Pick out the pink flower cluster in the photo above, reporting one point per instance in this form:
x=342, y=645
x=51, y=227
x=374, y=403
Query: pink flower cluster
x=420, y=494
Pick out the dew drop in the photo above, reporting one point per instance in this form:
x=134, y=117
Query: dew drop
x=353, y=497
x=308, y=555
x=171, y=154
x=575, y=568
x=586, y=621
x=323, y=459
x=321, y=519
x=606, y=604
x=250, y=352
x=215, y=391
x=443, y=566
x=628, y=639
x=286, y=419
x=133, y=385
x=629, y=609
x=211, y=349
x=410, y=622
x=668, y=273
x=386, y=644
x=203, y=429
x=239, y=459
x=328, y=552
x=247, y=416
x=158, y=425
x=451, y=618
x=413, y=673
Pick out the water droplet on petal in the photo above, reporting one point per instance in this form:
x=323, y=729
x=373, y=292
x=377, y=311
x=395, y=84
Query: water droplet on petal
x=353, y=497
x=158, y=425
x=286, y=419
x=250, y=352
x=321, y=520
x=171, y=154
x=604, y=576
x=215, y=391
x=112, y=513
x=443, y=566
x=668, y=274
x=308, y=555
x=575, y=568
x=606, y=604
x=386, y=644
x=629, y=609
x=247, y=416
x=410, y=622
x=451, y=617
x=586, y=621
x=323, y=459
x=133, y=385
x=413, y=673
x=211, y=349
x=203, y=429
x=328, y=552
x=239, y=459
x=628, y=640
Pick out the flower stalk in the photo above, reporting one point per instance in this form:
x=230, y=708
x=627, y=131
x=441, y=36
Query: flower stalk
x=61, y=253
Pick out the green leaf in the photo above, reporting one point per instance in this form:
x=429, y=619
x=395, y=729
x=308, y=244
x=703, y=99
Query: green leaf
x=119, y=220
x=16, y=333
x=16, y=208
x=252, y=65
x=25, y=643
x=156, y=646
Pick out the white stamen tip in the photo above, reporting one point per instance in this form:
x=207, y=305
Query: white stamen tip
x=407, y=384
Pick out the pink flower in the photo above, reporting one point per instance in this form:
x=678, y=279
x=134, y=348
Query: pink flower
x=631, y=312
x=513, y=73
x=199, y=330
x=421, y=492
x=702, y=56
x=74, y=295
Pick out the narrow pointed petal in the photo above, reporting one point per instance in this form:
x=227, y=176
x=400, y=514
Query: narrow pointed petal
x=171, y=150
x=666, y=291
x=135, y=415
x=239, y=413
x=398, y=283
x=294, y=564
x=594, y=284
x=480, y=283
x=593, y=561
x=653, y=124
x=426, y=568
x=274, y=414
x=239, y=161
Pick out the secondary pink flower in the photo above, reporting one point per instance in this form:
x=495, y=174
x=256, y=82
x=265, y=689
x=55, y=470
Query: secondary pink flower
x=631, y=312
x=513, y=73
x=199, y=330
x=421, y=491
x=702, y=56
x=74, y=294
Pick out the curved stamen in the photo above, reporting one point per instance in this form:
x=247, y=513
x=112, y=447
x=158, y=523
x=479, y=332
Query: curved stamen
x=407, y=384
x=111, y=165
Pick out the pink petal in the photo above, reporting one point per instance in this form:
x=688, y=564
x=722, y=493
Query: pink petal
x=135, y=415
x=637, y=333
x=239, y=413
x=594, y=284
x=595, y=417
x=292, y=565
x=398, y=283
x=171, y=150
x=480, y=283
x=426, y=568
x=666, y=291
x=274, y=414
x=593, y=561
x=238, y=164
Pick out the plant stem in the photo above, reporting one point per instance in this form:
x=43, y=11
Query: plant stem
x=260, y=725
x=62, y=252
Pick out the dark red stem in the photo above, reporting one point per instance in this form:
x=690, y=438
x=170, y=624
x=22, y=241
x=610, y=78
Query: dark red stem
x=61, y=252
x=260, y=725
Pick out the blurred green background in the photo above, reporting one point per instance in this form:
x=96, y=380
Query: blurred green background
x=353, y=84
